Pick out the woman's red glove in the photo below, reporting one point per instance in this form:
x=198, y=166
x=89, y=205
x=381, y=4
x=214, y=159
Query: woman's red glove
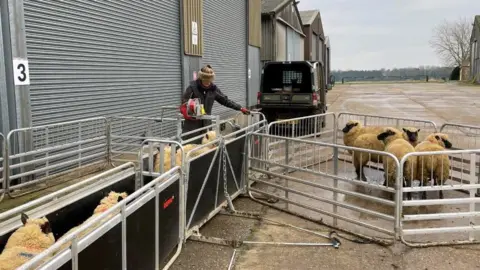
x=183, y=111
x=245, y=111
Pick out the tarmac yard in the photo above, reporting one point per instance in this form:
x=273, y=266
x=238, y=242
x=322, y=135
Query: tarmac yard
x=438, y=102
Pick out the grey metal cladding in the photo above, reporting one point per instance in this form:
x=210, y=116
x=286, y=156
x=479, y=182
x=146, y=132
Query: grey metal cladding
x=225, y=46
x=102, y=58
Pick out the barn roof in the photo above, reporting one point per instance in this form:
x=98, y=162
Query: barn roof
x=308, y=16
x=273, y=5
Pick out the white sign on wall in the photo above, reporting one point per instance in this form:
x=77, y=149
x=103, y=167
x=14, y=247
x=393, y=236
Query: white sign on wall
x=21, y=72
x=194, y=39
x=194, y=28
x=194, y=75
x=249, y=73
x=194, y=33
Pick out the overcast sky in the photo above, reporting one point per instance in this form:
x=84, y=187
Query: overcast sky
x=371, y=34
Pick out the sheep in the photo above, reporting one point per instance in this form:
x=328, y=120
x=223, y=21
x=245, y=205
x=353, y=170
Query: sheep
x=399, y=147
x=26, y=242
x=410, y=134
x=354, y=128
x=435, y=166
x=106, y=203
x=208, y=137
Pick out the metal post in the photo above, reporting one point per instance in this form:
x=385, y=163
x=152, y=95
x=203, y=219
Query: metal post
x=473, y=180
x=108, y=137
x=157, y=230
x=286, y=171
x=398, y=196
x=18, y=49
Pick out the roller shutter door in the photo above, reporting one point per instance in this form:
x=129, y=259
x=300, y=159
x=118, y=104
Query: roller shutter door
x=225, y=45
x=102, y=58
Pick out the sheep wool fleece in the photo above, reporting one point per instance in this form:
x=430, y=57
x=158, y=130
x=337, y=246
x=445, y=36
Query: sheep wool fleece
x=26, y=242
x=438, y=165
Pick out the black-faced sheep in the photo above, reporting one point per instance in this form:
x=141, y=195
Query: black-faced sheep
x=399, y=147
x=367, y=141
x=433, y=166
x=410, y=134
x=354, y=128
x=26, y=242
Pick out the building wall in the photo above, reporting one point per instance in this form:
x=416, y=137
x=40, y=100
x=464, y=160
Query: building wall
x=101, y=63
x=255, y=71
x=281, y=42
x=475, y=54
x=254, y=23
x=314, y=47
x=255, y=42
x=267, y=52
x=289, y=15
x=193, y=27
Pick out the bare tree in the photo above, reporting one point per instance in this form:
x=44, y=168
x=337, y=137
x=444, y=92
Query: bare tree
x=451, y=41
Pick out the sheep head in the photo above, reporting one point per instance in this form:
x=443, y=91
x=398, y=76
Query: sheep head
x=352, y=126
x=440, y=139
x=389, y=135
x=110, y=200
x=411, y=134
x=35, y=234
x=209, y=137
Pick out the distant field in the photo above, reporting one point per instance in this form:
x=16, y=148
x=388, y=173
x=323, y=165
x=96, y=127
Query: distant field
x=389, y=82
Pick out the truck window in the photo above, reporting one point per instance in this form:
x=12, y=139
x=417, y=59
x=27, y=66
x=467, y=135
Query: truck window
x=295, y=78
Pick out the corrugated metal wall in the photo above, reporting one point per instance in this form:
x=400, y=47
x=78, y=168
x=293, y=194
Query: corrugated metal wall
x=281, y=42
x=102, y=58
x=300, y=53
x=290, y=44
x=255, y=73
x=4, y=119
x=295, y=46
x=225, y=48
x=254, y=23
x=267, y=41
x=192, y=15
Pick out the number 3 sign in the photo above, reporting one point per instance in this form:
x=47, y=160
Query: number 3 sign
x=20, y=71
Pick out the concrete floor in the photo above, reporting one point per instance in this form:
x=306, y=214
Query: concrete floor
x=437, y=102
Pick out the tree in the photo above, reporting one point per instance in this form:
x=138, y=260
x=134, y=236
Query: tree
x=451, y=41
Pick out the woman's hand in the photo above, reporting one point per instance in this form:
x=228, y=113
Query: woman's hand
x=245, y=111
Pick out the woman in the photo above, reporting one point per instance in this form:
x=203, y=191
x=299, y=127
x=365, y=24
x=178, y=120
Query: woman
x=204, y=89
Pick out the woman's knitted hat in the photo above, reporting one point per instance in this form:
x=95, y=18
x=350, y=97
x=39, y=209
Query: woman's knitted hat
x=206, y=73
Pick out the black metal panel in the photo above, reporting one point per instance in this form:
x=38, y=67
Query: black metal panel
x=235, y=152
x=197, y=173
x=140, y=237
x=105, y=253
x=169, y=200
x=76, y=213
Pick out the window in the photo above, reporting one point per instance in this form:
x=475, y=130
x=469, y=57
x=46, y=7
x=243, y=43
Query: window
x=290, y=76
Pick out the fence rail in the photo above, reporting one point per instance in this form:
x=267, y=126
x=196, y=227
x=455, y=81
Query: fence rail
x=38, y=154
x=454, y=215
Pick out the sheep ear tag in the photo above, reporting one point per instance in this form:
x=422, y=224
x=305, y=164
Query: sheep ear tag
x=24, y=218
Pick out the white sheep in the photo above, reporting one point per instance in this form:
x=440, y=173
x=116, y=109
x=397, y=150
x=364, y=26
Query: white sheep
x=26, y=242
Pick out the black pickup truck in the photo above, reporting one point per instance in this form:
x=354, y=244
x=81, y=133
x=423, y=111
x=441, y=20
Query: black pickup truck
x=293, y=89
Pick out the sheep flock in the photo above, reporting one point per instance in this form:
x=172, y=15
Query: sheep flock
x=399, y=143
x=209, y=137
x=36, y=235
